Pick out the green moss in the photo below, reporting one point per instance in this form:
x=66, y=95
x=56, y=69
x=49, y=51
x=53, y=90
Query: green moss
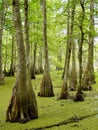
x=51, y=110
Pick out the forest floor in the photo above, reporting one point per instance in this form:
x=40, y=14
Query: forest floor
x=54, y=114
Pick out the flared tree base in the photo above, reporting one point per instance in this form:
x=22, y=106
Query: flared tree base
x=45, y=95
x=17, y=112
x=64, y=95
x=78, y=97
x=72, y=83
x=46, y=89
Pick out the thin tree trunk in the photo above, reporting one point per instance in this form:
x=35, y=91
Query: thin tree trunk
x=40, y=66
x=73, y=75
x=64, y=90
x=11, y=71
x=79, y=94
x=91, y=41
x=34, y=62
x=5, y=62
x=2, y=81
x=46, y=89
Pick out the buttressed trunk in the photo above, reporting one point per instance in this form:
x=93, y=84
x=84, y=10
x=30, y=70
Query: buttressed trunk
x=19, y=109
x=32, y=104
x=89, y=77
x=46, y=89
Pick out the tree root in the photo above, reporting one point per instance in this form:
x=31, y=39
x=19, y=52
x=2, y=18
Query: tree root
x=73, y=119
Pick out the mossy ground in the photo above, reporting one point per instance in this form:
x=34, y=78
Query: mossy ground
x=51, y=110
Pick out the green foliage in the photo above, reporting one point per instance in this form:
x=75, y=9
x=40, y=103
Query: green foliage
x=57, y=14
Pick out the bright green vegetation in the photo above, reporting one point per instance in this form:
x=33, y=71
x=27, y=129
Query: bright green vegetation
x=52, y=110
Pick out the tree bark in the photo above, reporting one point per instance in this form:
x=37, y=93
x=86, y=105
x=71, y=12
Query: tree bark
x=79, y=94
x=46, y=89
x=40, y=62
x=2, y=81
x=73, y=75
x=88, y=77
x=5, y=59
x=20, y=108
x=64, y=90
x=32, y=104
x=34, y=62
x=11, y=71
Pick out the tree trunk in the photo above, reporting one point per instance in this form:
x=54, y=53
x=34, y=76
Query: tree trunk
x=32, y=104
x=46, y=89
x=2, y=81
x=79, y=94
x=64, y=90
x=34, y=62
x=11, y=71
x=88, y=77
x=5, y=59
x=21, y=107
x=91, y=41
x=40, y=66
x=73, y=75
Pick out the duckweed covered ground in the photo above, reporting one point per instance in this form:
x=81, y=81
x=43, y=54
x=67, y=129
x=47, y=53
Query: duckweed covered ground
x=51, y=110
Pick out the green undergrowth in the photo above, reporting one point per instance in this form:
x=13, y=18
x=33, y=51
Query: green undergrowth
x=52, y=110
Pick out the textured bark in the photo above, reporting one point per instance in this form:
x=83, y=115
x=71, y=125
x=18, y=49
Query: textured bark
x=91, y=41
x=73, y=75
x=21, y=109
x=64, y=90
x=11, y=71
x=79, y=94
x=34, y=62
x=65, y=62
x=40, y=66
x=32, y=104
x=46, y=89
x=88, y=77
x=2, y=81
x=6, y=54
